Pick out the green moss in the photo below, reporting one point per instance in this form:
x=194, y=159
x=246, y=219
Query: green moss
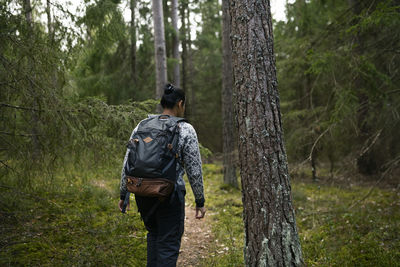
x=224, y=205
x=331, y=234
x=76, y=222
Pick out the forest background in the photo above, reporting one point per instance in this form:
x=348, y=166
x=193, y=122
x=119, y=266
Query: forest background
x=75, y=83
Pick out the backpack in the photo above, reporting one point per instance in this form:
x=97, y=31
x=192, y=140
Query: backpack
x=150, y=168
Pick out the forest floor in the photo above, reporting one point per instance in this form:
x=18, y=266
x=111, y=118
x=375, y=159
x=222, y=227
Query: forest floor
x=73, y=220
x=196, y=239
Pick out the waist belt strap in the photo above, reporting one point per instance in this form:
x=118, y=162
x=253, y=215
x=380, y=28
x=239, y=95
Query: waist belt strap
x=126, y=202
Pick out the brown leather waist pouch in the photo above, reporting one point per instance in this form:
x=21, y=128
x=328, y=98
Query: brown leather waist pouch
x=150, y=187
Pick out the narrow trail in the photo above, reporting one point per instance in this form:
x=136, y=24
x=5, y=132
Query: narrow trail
x=196, y=239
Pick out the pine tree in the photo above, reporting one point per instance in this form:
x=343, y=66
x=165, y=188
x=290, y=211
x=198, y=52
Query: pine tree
x=133, y=40
x=227, y=102
x=269, y=219
x=159, y=47
x=174, y=19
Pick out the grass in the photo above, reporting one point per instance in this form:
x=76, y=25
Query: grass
x=73, y=220
x=77, y=223
x=331, y=234
x=224, y=204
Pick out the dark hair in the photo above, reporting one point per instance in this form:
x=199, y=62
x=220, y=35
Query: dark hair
x=171, y=96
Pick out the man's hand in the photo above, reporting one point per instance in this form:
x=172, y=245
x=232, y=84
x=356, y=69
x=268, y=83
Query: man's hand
x=200, y=212
x=121, y=203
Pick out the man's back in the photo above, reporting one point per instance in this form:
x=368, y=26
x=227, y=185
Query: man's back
x=189, y=159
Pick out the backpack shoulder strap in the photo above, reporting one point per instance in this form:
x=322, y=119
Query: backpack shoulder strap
x=173, y=119
x=144, y=122
x=178, y=119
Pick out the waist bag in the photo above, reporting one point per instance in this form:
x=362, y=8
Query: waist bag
x=153, y=153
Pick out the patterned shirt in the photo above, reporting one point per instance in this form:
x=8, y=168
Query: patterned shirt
x=189, y=160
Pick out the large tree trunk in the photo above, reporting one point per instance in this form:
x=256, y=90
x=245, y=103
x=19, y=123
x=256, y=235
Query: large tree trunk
x=175, y=54
x=133, y=40
x=269, y=219
x=159, y=48
x=228, y=143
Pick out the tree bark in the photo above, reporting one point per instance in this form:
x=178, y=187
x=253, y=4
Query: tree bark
x=228, y=143
x=28, y=12
x=49, y=22
x=159, y=48
x=50, y=28
x=270, y=226
x=133, y=40
x=189, y=69
x=183, y=35
x=175, y=54
x=167, y=35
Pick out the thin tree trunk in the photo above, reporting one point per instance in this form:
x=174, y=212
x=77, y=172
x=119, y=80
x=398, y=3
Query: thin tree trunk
x=174, y=18
x=228, y=143
x=28, y=13
x=49, y=22
x=50, y=28
x=133, y=40
x=189, y=69
x=313, y=167
x=159, y=47
x=168, y=40
x=183, y=35
x=34, y=116
x=271, y=234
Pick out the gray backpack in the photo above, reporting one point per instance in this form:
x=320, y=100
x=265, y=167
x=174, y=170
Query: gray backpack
x=153, y=153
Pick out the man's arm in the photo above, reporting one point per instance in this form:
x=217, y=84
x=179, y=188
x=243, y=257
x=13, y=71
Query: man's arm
x=192, y=162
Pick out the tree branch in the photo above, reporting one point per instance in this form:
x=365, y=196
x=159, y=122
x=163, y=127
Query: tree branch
x=319, y=137
x=19, y=107
x=12, y=134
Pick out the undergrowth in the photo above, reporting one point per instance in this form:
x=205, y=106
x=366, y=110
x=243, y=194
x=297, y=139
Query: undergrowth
x=73, y=220
x=331, y=233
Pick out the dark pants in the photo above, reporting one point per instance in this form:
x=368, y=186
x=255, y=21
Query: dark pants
x=165, y=226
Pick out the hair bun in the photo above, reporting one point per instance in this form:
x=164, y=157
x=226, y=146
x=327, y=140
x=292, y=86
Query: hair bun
x=169, y=88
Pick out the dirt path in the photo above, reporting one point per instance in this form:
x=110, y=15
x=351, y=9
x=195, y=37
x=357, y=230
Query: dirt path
x=195, y=240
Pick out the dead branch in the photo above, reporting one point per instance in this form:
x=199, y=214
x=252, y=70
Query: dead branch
x=13, y=134
x=365, y=150
x=8, y=167
x=42, y=110
x=19, y=107
x=316, y=141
